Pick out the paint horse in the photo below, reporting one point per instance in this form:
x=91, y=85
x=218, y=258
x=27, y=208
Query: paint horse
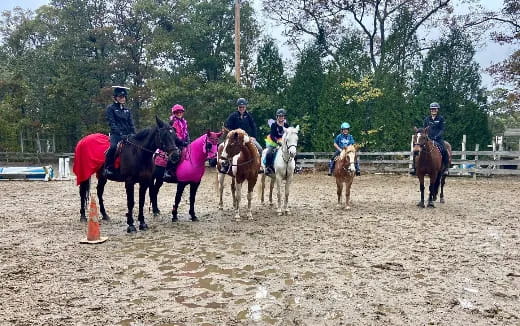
x=189, y=172
x=428, y=161
x=344, y=172
x=284, y=165
x=135, y=157
x=238, y=157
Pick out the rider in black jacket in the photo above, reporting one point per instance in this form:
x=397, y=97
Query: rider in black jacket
x=121, y=125
x=243, y=120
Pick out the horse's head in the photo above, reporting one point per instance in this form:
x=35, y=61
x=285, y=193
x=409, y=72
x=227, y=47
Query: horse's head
x=419, y=139
x=290, y=140
x=233, y=144
x=211, y=144
x=349, y=155
x=165, y=140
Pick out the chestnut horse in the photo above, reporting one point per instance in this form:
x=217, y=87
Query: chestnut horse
x=284, y=165
x=135, y=166
x=238, y=157
x=344, y=172
x=428, y=161
x=189, y=172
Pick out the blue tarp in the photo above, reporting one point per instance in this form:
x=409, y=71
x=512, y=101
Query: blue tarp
x=41, y=173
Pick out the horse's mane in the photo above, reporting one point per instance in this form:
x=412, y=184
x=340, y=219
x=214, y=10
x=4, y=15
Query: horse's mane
x=141, y=135
x=346, y=150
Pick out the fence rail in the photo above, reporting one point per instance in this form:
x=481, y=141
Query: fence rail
x=463, y=162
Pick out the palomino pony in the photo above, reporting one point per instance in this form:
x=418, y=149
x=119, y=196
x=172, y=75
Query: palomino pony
x=238, y=157
x=135, y=166
x=189, y=172
x=284, y=165
x=428, y=161
x=344, y=172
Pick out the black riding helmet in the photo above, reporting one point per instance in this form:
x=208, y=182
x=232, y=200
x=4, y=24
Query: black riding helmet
x=241, y=102
x=120, y=91
x=280, y=112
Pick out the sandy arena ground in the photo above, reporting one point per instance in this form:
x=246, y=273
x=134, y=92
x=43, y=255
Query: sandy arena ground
x=385, y=262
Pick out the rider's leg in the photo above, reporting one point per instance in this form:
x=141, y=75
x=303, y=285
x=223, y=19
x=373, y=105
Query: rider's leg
x=332, y=162
x=269, y=160
x=111, y=155
x=356, y=165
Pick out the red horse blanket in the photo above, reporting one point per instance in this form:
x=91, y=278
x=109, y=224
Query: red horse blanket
x=89, y=156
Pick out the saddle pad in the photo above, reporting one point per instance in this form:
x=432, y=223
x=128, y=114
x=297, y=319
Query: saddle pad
x=89, y=156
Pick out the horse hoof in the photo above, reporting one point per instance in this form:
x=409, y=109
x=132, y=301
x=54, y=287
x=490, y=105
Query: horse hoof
x=105, y=218
x=250, y=216
x=430, y=204
x=347, y=208
x=156, y=213
x=175, y=219
x=143, y=227
x=420, y=204
x=83, y=219
x=279, y=213
x=442, y=201
x=194, y=218
x=131, y=229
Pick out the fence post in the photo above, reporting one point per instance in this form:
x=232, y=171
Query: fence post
x=476, y=166
x=463, y=155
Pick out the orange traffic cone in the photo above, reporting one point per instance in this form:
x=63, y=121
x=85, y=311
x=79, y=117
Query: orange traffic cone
x=93, y=230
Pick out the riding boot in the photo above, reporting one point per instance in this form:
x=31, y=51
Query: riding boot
x=109, y=162
x=269, y=161
x=358, y=171
x=445, y=163
x=331, y=166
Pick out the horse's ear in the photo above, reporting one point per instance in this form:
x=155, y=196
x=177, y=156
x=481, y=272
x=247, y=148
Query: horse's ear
x=159, y=122
x=415, y=129
x=246, y=139
x=208, y=132
x=357, y=147
x=297, y=128
x=225, y=130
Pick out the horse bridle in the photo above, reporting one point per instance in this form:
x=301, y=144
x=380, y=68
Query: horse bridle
x=286, y=152
x=161, y=144
x=423, y=146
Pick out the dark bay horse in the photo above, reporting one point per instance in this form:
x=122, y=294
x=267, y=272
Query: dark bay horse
x=238, y=157
x=344, y=172
x=189, y=172
x=135, y=166
x=428, y=161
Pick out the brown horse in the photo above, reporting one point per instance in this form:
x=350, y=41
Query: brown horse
x=428, y=161
x=238, y=157
x=345, y=172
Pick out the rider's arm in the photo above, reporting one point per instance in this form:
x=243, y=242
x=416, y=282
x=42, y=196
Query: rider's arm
x=252, y=124
x=114, y=128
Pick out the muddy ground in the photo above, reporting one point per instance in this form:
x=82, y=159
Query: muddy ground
x=385, y=262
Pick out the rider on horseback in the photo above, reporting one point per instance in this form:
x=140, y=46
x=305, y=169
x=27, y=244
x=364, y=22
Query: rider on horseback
x=121, y=126
x=180, y=125
x=343, y=140
x=436, y=126
x=274, y=139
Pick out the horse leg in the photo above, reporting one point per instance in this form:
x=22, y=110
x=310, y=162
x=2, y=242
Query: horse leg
x=436, y=186
x=433, y=181
x=443, y=180
x=287, y=186
x=348, y=184
x=262, y=186
x=178, y=196
x=278, y=180
x=157, y=182
x=220, y=180
x=84, y=188
x=339, y=189
x=129, y=186
x=143, y=186
x=194, y=186
x=250, y=189
x=236, y=190
x=234, y=193
x=271, y=187
x=100, y=188
x=421, y=187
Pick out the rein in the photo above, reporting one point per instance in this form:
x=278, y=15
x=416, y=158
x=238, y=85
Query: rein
x=144, y=148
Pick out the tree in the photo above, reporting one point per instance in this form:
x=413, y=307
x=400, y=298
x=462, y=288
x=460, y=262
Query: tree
x=326, y=21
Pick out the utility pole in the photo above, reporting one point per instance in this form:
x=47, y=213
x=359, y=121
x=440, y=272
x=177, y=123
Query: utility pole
x=237, y=41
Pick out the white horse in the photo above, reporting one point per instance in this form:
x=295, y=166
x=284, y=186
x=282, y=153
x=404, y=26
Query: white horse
x=283, y=168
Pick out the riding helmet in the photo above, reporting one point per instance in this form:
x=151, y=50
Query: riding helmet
x=241, y=102
x=435, y=105
x=120, y=91
x=280, y=112
x=345, y=125
x=177, y=108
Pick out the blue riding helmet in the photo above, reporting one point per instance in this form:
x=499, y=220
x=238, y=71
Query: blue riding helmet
x=345, y=125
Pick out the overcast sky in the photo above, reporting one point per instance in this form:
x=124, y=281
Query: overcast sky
x=486, y=55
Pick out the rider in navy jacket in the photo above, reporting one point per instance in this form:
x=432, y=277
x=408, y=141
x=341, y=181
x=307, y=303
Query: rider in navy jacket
x=121, y=125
